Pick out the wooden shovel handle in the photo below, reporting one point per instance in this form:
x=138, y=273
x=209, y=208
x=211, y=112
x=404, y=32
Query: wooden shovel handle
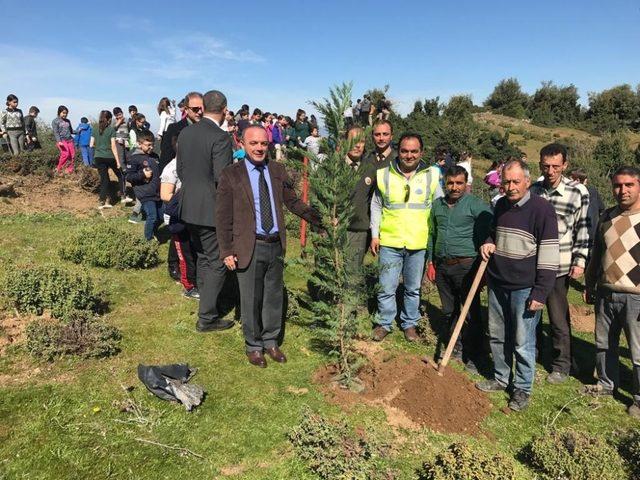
x=463, y=316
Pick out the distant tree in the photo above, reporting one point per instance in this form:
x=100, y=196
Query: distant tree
x=495, y=146
x=459, y=107
x=458, y=129
x=551, y=105
x=432, y=107
x=377, y=94
x=508, y=99
x=614, y=109
x=611, y=152
x=417, y=107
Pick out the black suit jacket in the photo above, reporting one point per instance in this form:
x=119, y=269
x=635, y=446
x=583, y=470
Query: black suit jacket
x=167, y=153
x=236, y=215
x=204, y=149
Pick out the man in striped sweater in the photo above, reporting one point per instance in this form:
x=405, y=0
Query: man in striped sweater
x=613, y=275
x=523, y=255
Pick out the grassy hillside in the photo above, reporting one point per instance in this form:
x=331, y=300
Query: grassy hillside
x=66, y=420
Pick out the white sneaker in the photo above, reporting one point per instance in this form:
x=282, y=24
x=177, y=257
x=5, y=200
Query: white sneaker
x=106, y=205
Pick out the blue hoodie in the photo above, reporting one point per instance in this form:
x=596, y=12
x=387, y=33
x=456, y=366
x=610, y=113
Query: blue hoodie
x=83, y=134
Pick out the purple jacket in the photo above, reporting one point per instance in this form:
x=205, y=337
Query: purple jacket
x=276, y=134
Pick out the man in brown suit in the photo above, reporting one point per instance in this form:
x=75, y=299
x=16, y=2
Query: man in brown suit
x=252, y=235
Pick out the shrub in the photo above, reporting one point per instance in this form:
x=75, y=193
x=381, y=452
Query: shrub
x=81, y=333
x=109, y=246
x=39, y=162
x=332, y=451
x=461, y=460
x=33, y=289
x=571, y=455
x=629, y=449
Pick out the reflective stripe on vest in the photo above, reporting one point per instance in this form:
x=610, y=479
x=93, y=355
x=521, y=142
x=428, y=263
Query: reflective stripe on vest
x=406, y=224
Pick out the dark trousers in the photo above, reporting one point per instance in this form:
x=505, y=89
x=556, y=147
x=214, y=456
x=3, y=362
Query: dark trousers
x=123, y=155
x=357, y=248
x=103, y=165
x=211, y=272
x=180, y=246
x=558, y=311
x=261, y=297
x=453, y=283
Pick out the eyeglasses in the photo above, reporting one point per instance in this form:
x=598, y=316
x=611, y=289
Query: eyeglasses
x=407, y=193
x=195, y=109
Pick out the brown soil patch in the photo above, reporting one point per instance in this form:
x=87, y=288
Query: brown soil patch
x=583, y=318
x=413, y=395
x=11, y=331
x=39, y=194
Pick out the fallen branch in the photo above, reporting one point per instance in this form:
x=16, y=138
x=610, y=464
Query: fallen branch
x=182, y=450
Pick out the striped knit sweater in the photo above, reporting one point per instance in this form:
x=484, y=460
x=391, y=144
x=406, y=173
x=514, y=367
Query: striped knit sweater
x=615, y=259
x=527, y=249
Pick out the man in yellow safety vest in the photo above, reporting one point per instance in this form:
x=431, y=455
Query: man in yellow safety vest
x=405, y=190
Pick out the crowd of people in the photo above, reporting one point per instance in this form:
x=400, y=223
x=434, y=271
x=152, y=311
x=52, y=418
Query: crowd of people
x=220, y=189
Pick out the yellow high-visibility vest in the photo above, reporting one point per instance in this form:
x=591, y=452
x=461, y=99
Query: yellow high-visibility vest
x=406, y=206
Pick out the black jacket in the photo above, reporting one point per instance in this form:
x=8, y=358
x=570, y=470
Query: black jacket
x=167, y=153
x=146, y=189
x=204, y=149
x=361, y=198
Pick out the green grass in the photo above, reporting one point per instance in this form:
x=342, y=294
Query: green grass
x=60, y=421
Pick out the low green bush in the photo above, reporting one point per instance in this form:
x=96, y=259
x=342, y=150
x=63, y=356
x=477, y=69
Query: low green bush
x=332, y=450
x=81, y=334
x=463, y=461
x=109, y=246
x=34, y=289
x=571, y=455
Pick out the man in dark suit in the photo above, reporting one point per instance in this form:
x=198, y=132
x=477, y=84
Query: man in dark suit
x=382, y=135
x=204, y=149
x=252, y=234
x=195, y=109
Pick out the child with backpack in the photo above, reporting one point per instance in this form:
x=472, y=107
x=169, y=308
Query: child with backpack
x=143, y=173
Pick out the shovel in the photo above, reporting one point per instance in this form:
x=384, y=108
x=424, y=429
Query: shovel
x=463, y=316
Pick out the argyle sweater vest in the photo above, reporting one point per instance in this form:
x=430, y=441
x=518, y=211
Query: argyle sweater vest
x=615, y=260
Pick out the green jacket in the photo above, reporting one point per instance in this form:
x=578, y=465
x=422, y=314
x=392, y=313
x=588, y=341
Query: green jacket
x=458, y=231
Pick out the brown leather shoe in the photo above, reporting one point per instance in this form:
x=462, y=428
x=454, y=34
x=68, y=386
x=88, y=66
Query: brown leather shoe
x=257, y=358
x=276, y=354
x=411, y=335
x=379, y=333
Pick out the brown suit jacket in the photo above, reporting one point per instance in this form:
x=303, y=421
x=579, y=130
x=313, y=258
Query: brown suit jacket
x=235, y=211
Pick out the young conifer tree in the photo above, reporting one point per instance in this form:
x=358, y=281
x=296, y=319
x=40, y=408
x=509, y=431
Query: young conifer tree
x=340, y=288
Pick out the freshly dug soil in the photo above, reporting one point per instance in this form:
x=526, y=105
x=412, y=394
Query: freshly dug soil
x=583, y=318
x=37, y=194
x=413, y=395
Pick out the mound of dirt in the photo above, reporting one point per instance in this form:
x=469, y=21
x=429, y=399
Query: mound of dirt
x=38, y=194
x=583, y=318
x=413, y=395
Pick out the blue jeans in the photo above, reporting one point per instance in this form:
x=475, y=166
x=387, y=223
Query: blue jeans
x=154, y=215
x=512, y=331
x=87, y=155
x=409, y=263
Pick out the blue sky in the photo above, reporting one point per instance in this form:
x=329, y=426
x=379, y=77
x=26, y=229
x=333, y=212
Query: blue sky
x=278, y=55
